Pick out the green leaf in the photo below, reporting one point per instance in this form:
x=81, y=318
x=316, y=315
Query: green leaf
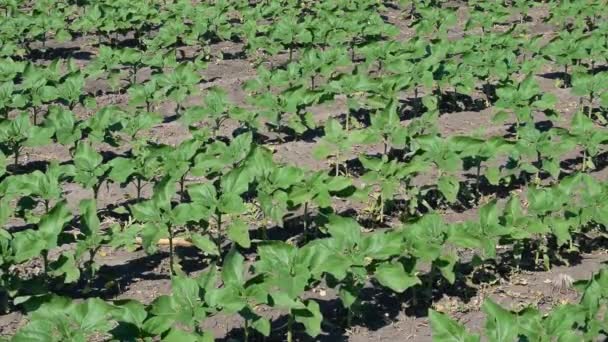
x=446, y=330
x=48, y=93
x=281, y=299
x=235, y=182
x=262, y=325
x=231, y=203
x=501, y=325
x=344, y=229
x=500, y=116
x=130, y=311
x=2, y=164
x=178, y=335
x=488, y=215
x=66, y=265
x=547, y=101
x=493, y=175
x=185, y=292
x=88, y=215
x=26, y=245
x=92, y=315
x=449, y=186
x=233, y=268
x=164, y=315
x=121, y=168
x=310, y=317
x=445, y=264
x=394, y=276
x=338, y=183
x=204, y=243
x=51, y=224
x=203, y=193
x=238, y=231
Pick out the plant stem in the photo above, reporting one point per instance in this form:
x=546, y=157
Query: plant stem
x=290, y=52
x=96, y=188
x=134, y=71
x=264, y=232
x=16, y=156
x=381, y=208
x=246, y=332
x=478, y=176
x=45, y=263
x=290, y=327
x=90, y=268
x=584, y=166
x=182, y=195
x=306, y=232
x=138, y=186
x=347, y=123
x=349, y=317
x=385, y=146
x=337, y=165
x=171, y=250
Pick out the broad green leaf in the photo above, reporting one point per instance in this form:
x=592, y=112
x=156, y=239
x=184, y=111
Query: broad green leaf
x=447, y=330
x=204, y=243
x=344, y=229
x=233, y=268
x=238, y=231
x=394, y=276
x=501, y=325
x=89, y=221
x=310, y=317
x=449, y=186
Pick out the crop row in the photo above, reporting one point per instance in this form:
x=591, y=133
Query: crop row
x=221, y=190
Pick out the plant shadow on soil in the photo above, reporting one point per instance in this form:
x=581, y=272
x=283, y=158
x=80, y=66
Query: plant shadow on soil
x=112, y=280
x=53, y=53
x=26, y=168
x=380, y=307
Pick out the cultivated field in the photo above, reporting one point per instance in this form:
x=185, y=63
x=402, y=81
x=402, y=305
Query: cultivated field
x=297, y=170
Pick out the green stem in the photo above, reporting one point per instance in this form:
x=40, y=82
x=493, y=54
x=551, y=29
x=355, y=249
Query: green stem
x=290, y=327
x=385, y=145
x=347, y=123
x=584, y=166
x=264, y=232
x=16, y=156
x=182, y=194
x=478, y=176
x=290, y=53
x=306, y=232
x=45, y=263
x=337, y=164
x=246, y=332
x=218, y=238
x=138, y=186
x=90, y=267
x=381, y=208
x=349, y=317
x=171, y=250
x=96, y=188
